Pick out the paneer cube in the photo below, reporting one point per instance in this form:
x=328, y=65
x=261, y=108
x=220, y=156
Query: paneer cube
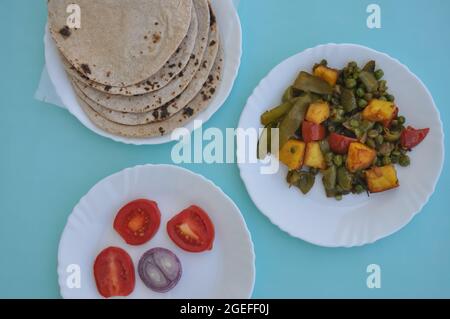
x=359, y=157
x=292, y=154
x=380, y=179
x=314, y=156
x=318, y=112
x=327, y=74
x=379, y=111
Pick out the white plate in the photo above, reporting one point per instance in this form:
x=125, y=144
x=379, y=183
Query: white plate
x=228, y=271
x=231, y=40
x=357, y=219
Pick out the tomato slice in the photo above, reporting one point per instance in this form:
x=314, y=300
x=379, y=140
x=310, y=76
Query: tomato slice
x=138, y=221
x=411, y=137
x=312, y=132
x=114, y=273
x=192, y=230
x=340, y=143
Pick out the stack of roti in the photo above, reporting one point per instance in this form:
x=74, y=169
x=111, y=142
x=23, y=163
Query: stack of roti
x=140, y=68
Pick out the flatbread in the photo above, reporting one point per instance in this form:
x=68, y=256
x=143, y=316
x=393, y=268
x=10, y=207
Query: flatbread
x=120, y=43
x=154, y=100
x=172, y=68
x=188, y=113
x=170, y=109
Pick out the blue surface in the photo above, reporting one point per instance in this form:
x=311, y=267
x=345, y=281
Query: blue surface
x=48, y=160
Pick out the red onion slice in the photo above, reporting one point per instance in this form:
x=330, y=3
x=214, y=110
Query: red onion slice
x=160, y=269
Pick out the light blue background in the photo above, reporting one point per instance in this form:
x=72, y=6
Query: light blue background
x=48, y=160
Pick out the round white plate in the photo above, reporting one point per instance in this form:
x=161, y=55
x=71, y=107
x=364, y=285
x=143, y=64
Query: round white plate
x=231, y=39
x=357, y=219
x=227, y=271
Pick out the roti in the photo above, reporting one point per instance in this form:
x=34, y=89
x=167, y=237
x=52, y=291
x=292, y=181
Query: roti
x=201, y=101
x=170, y=109
x=205, y=49
x=120, y=43
x=172, y=68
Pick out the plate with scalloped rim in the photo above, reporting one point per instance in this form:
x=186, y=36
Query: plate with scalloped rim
x=227, y=271
x=357, y=219
x=231, y=40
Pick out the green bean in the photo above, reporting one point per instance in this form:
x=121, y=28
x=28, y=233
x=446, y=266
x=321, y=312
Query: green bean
x=396, y=152
x=379, y=74
x=368, y=96
x=288, y=94
x=324, y=146
x=382, y=98
x=370, y=66
x=275, y=114
x=401, y=120
x=266, y=137
x=302, y=180
x=338, y=197
x=348, y=100
x=394, y=123
x=369, y=81
x=291, y=122
x=404, y=161
x=329, y=158
x=337, y=160
x=329, y=178
x=344, y=179
x=310, y=83
x=354, y=123
x=352, y=64
x=394, y=158
x=382, y=86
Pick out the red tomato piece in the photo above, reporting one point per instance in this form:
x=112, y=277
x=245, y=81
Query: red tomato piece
x=114, y=273
x=312, y=132
x=411, y=137
x=138, y=221
x=192, y=230
x=339, y=143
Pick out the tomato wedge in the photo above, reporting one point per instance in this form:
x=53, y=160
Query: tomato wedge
x=114, y=273
x=340, y=143
x=411, y=137
x=192, y=230
x=138, y=221
x=312, y=132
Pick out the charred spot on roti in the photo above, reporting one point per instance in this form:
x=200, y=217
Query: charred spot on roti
x=188, y=112
x=108, y=88
x=181, y=74
x=155, y=114
x=86, y=69
x=156, y=38
x=164, y=112
x=162, y=131
x=65, y=32
x=213, y=42
x=212, y=20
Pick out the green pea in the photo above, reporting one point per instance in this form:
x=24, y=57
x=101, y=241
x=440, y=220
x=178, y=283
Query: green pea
x=350, y=83
x=379, y=140
x=379, y=74
x=353, y=64
x=386, y=160
x=338, y=197
x=329, y=157
x=373, y=133
x=337, y=160
x=401, y=120
x=324, y=62
x=404, y=161
x=379, y=127
x=362, y=103
x=354, y=123
x=390, y=97
x=358, y=132
x=331, y=128
x=396, y=153
x=359, y=189
x=360, y=92
x=394, y=159
x=383, y=98
x=371, y=143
